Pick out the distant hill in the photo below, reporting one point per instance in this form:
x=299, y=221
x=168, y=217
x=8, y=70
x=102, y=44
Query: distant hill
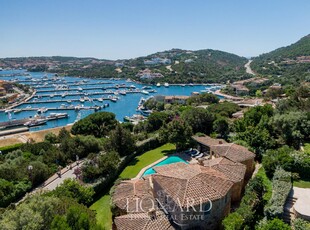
x=174, y=66
x=290, y=64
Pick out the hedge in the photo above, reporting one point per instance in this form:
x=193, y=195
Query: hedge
x=281, y=186
x=10, y=148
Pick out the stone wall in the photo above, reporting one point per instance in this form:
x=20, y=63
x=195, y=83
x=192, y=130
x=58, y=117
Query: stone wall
x=250, y=165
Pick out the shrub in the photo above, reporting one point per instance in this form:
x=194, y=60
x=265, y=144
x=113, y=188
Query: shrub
x=300, y=224
x=281, y=184
x=10, y=148
x=274, y=224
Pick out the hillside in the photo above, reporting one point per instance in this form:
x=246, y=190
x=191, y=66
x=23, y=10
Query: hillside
x=174, y=66
x=291, y=64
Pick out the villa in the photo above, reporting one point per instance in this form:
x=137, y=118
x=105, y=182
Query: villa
x=185, y=195
x=215, y=148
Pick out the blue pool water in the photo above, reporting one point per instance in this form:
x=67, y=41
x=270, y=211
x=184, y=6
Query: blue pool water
x=167, y=161
x=125, y=106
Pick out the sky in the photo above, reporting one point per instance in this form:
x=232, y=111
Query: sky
x=118, y=29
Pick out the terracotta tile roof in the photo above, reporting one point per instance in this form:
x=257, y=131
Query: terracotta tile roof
x=143, y=221
x=233, y=170
x=186, y=181
x=208, y=141
x=127, y=192
x=234, y=152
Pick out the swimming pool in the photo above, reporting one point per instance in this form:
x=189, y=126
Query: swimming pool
x=167, y=161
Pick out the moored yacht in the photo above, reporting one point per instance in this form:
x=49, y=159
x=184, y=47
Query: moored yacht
x=166, y=84
x=158, y=84
x=144, y=92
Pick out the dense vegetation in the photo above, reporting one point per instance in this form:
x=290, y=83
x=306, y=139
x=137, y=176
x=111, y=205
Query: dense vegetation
x=288, y=65
x=186, y=66
x=60, y=209
x=107, y=147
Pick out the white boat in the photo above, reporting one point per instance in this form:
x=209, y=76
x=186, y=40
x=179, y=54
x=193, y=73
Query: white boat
x=145, y=92
x=115, y=93
x=42, y=110
x=146, y=87
x=79, y=89
x=82, y=99
x=158, y=84
x=69, y=101
x=100, y=99
x=132, y=86
x=57, y=115
x=35, y=122
x=122, y=92
x=114, y=99
x=183, y=85
x=166, y=84
x=17, y=110
x=28, y=107
x=191, y=84
x=8, y=111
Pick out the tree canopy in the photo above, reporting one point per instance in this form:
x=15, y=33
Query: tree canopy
x=98, y=124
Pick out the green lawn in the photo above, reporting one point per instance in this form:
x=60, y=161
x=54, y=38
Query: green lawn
x=102, y=206
x=301, y=184
x=145, y=159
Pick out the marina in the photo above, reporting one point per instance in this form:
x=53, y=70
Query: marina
x=79, y=97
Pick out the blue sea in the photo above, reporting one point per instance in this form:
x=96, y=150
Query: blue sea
x=125, y=106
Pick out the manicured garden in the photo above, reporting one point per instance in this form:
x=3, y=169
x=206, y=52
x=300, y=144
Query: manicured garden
x=146, y=159
x=103, y=211
x=102, y=206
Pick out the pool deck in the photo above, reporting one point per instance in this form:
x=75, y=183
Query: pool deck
x=149, y=166
x=181, y=155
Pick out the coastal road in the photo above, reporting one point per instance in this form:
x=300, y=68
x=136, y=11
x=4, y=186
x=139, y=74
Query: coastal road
x=55, y=180
x=248, y=68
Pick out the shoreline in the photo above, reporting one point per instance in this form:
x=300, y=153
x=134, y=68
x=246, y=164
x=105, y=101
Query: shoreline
x=37, y=136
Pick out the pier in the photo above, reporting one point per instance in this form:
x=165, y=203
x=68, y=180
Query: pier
x=90, y=88
x=96, y=107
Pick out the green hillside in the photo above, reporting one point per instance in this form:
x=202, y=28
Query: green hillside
x=290, y=64
x=186, y=66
